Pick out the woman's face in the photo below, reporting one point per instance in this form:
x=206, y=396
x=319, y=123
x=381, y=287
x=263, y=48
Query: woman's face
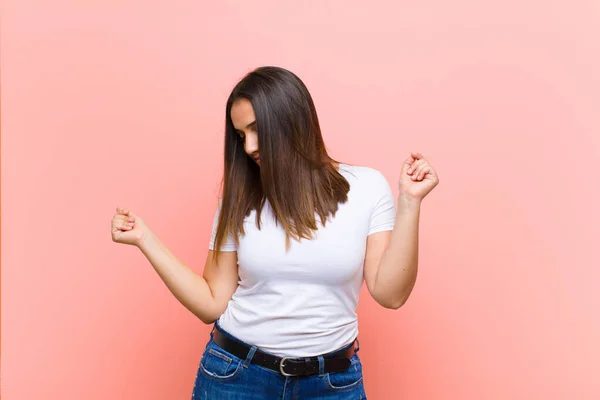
x=244, y=122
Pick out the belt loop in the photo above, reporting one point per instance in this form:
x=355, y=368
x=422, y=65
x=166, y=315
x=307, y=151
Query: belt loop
x=249, y=357
x=321, y=365
x=213, y=329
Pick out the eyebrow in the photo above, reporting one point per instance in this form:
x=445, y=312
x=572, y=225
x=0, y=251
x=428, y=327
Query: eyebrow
x=248, y=126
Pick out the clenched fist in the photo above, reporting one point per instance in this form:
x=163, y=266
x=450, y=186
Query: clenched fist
x=128, y=228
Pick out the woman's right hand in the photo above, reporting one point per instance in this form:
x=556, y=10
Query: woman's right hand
x=207, y=295
x=128, y=228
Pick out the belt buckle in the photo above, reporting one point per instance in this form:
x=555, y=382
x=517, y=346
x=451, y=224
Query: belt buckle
x=282, y=365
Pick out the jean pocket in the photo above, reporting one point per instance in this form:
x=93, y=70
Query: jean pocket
x=348, y=379
x=218, y=365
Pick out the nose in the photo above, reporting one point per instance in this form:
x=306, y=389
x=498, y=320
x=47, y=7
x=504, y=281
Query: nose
x=251, y=143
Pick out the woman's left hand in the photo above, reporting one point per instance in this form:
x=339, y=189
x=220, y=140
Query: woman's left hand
x=417, y=177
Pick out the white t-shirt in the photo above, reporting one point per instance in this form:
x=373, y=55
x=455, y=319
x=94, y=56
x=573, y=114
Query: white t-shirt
x=303, y=303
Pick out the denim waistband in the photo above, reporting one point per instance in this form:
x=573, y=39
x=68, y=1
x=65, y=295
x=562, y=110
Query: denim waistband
x=229, y=335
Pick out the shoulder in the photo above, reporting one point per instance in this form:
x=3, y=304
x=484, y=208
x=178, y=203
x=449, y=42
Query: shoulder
x=365, y=176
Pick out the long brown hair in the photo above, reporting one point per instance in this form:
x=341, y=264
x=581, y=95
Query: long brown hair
x=296, y=176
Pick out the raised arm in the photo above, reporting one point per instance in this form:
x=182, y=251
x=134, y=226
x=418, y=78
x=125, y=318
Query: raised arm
x=205, y=296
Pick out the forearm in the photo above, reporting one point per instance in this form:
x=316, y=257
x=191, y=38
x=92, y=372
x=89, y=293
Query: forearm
x=188, y=287
x=397, y=272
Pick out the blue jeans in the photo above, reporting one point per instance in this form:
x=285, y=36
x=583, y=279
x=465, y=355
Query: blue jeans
x=223, y=376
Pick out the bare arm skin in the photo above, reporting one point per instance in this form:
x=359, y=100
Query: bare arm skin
x=392, y=258
x=205, y=296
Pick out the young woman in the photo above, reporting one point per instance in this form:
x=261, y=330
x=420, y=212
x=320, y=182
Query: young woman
x=293, y=238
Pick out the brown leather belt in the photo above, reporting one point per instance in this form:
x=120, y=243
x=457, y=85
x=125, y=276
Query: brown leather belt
x=287, y=366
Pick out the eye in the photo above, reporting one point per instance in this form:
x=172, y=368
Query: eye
x=241, y=135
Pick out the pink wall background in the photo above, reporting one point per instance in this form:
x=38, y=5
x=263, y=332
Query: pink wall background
x=108, y=103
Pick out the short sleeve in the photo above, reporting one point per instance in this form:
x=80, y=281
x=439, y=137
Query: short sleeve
x=383, y=215
x=228, y=242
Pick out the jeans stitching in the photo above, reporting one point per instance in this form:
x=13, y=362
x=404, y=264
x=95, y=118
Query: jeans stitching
x=342, y=388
